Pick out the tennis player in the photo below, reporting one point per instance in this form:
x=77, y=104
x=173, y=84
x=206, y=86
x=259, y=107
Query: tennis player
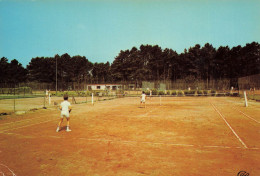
x=47, y=93
x=65, y=108
x=143, y=97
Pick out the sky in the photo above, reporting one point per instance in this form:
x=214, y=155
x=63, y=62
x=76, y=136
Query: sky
x=100, y=29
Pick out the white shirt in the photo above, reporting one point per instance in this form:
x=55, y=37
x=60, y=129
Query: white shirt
x=65, y=106
x=143, y=96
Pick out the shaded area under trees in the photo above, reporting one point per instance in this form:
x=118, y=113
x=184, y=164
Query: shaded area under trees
x=146, y=63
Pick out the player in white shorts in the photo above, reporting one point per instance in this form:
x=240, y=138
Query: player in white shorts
x=65, y=108
x=143, y=97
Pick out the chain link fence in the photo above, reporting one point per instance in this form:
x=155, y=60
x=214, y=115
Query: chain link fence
x=250, y=84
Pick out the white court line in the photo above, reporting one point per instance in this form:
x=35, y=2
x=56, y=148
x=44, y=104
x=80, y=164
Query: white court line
x=27, y=125
x=229, y=126
x=8, y=169
x=157, y=143
x=247, y=115
x=135, y=142
x=133, y=116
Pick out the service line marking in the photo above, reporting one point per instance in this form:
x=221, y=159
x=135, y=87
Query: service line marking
x=229, y=126
x=246, y=115
x=8, y=169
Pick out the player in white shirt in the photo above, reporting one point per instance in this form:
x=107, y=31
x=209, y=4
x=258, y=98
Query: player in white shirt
x=143, y=97
x=65, y=108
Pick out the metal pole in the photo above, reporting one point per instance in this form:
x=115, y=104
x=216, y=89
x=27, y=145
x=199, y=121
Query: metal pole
x=14, y=98
x=92, y=99
x=44, y=101
x=56, y=76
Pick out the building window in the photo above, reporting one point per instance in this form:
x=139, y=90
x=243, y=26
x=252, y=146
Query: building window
x=98, y=87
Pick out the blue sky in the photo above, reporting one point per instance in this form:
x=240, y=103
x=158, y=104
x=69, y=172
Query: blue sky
x=99, y=29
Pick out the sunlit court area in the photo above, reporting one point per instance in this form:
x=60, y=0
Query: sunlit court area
x=129, y=88
x=170, y=136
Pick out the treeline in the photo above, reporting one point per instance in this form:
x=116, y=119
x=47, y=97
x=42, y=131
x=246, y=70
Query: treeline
x=12, y=72
x=202, y=63
x=146, y=63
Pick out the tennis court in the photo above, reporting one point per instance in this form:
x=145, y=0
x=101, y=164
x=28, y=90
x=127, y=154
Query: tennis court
x=171, y=136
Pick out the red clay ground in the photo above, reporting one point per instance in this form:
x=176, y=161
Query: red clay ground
x=188, y=136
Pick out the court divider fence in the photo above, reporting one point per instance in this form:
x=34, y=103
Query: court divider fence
x=22, y=100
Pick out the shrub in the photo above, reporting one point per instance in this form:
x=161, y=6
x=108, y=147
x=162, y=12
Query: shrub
x=154, y=92
x=205, y=92
x=189, y=92
x=161, y=93
x=213, y=93
x=174, y=92
x=235, y=95
x=221, y=94
x=147, y=92
x=180, y=93
x=199, y=92
x=192, y=92
x=186, y=92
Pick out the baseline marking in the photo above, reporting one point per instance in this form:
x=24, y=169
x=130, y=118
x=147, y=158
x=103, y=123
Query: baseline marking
x=229, y=126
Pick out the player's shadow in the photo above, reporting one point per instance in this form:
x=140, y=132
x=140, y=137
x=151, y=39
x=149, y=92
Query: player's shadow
x=63, y=128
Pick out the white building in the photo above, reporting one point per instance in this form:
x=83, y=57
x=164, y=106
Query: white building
x=104, y=87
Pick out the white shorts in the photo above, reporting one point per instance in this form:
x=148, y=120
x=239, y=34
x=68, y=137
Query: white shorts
x=64, y=113
x=142, y=100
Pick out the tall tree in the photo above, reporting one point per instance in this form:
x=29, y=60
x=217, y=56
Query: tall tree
x=16, y=71
x=4, y=76
x=207, y=55
x=221, y=66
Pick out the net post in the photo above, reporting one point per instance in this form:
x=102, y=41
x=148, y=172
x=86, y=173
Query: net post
x=92, y=98
x=44, y=100
x=160, y=100
x=246, y=104
x=49, y=99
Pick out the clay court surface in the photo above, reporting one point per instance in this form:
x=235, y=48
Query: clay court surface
x=184, y=136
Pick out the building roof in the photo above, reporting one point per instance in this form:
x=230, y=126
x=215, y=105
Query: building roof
x=104, y=84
